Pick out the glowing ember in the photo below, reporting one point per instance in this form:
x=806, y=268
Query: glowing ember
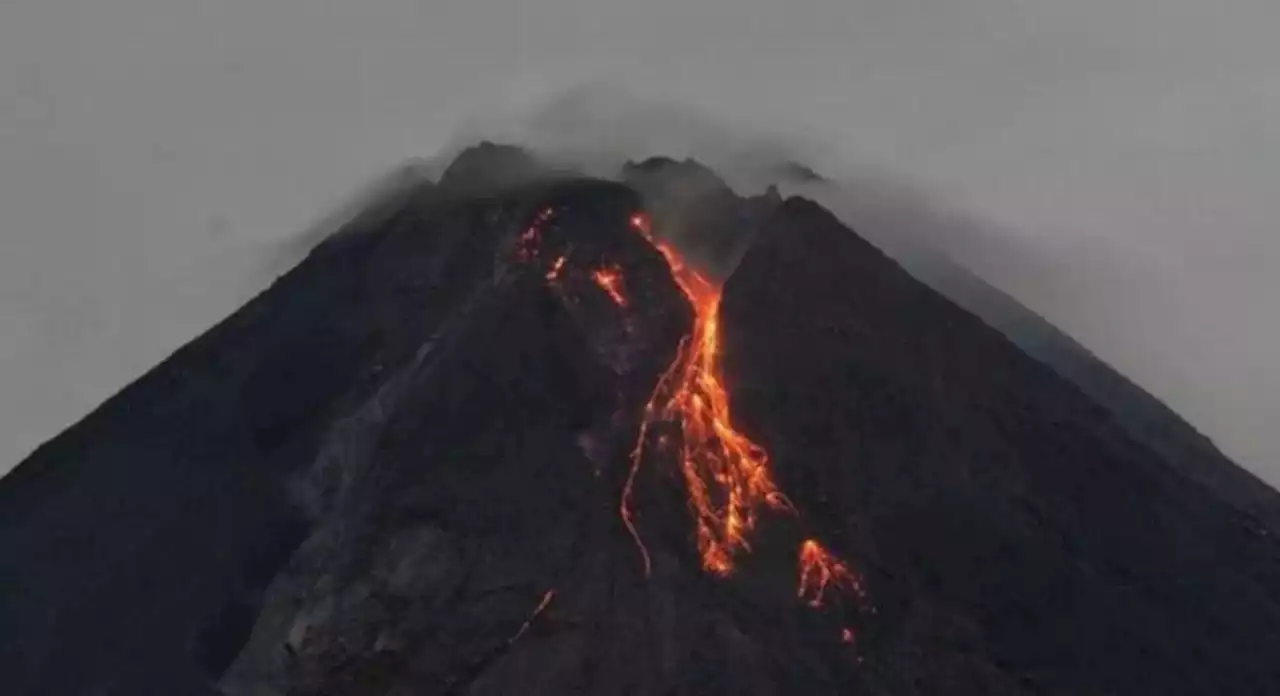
x=554, y=272
x=819, y=570
x=529, y=240
x=610, y=280
x=727, y=475
x=542, y=606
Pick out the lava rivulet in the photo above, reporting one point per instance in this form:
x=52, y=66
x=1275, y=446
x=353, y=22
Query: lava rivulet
x=610, y=280
x=821, y=571
x=553, y=273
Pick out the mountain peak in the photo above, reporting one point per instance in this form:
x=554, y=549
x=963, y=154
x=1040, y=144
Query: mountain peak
x=519, y=439
x=490, y=165
x=667, y=177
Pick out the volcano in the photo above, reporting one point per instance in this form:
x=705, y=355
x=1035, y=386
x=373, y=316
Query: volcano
x=522, y=431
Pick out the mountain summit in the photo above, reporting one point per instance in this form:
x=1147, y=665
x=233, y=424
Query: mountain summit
x=525, y=432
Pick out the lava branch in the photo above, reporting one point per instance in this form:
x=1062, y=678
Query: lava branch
x=609, y=279
x=537, y=612
x=529, y=243
x=821, y=571
x=530, y=239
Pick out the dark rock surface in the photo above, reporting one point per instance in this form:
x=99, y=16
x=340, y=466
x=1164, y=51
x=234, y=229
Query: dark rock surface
x=1144, y=416
x=1016, y=539
x=397, y=471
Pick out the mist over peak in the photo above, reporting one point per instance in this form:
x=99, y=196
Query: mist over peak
x=489, y=165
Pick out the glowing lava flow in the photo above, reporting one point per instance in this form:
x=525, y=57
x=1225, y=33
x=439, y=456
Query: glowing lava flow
x=727, y=474
x=610, y=280
x=529, y=240
x=820, y=571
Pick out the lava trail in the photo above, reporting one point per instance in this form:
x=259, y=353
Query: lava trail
x=610, y=280
x=820, y=572
x=726, y=474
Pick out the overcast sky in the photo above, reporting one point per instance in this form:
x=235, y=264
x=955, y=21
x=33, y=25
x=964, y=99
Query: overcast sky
x=153, y=152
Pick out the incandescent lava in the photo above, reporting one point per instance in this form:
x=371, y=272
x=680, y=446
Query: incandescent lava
x=726, y=474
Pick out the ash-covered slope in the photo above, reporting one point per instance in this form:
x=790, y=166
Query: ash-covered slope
x=410, y=467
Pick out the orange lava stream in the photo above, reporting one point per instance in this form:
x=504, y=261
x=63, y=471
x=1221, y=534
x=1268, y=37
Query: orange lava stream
x=554, y=272
x=610, y=280
x=819, y=571
x=727, y=475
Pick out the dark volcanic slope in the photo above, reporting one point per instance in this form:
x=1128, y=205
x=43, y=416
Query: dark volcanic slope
x=398, y=471
x=1016, y=539
x=1147, y=419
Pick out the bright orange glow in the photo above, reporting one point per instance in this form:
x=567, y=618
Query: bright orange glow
x=819, y=571
x=610, y=280
x=726, y=474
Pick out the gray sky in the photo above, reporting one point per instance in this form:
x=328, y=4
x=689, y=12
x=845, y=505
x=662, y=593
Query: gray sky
x=153, y=152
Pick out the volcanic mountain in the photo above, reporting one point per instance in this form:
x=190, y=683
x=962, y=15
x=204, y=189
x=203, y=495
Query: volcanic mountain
x=521, y=431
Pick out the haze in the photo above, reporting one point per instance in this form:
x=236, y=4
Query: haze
x=1117, y=162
